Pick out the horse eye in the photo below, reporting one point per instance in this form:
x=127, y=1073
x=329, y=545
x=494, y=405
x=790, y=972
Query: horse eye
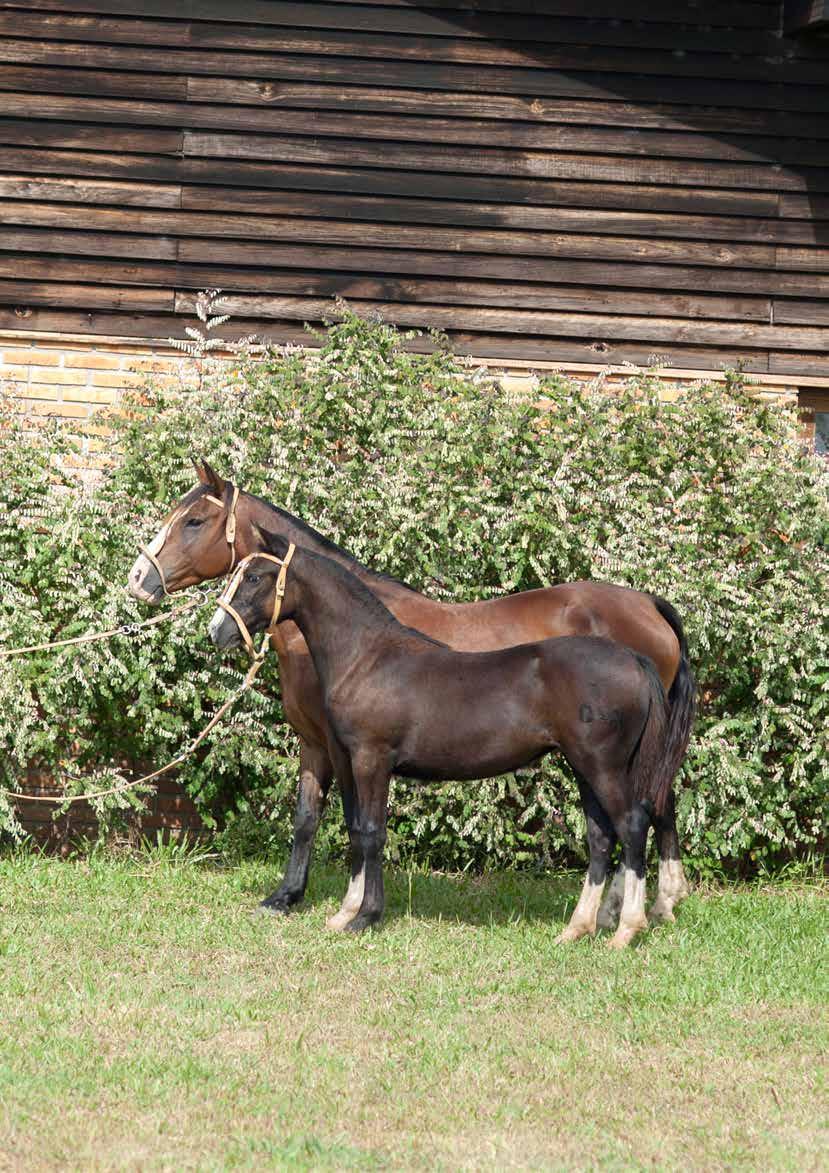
x=252, y=578
x=194, y=521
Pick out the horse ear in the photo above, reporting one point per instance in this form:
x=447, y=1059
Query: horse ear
x=209, y=477
x=269, y=541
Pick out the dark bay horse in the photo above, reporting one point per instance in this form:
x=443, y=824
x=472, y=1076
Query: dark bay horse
x=215, y=525
x=400, y=702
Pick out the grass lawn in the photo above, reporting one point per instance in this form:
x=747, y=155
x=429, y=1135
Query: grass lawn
x=149, y=1021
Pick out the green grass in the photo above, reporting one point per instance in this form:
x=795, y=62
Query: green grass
x=149, y=1021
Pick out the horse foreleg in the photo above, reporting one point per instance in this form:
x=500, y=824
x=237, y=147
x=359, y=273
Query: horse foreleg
x=371, y=782
x=601, y=839
x=673, y=886
x=315, y=774
x=354, y=895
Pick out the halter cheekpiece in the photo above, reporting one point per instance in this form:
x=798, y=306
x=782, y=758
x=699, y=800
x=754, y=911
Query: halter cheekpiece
x=225, y=599
x=155, y=547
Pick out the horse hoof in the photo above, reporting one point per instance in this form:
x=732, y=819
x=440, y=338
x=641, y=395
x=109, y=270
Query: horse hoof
x=624, y=935
x=360, y=923
x=265, y=909
x=340, y=921
x=661, y=914
x=570, y=934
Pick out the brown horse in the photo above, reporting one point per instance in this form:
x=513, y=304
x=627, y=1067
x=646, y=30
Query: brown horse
x=214, y=525
x=399, y=702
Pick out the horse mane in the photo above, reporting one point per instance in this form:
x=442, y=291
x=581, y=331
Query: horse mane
x=326, y=543
x=377, y=607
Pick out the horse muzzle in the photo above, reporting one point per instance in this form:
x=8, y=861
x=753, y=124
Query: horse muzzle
x=223, y=630
x=144, y=582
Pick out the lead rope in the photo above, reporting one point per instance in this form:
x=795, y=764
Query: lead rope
x=150, y=552
x=127, y=629
x=177, y=760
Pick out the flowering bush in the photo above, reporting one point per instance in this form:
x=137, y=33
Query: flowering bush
x=429, y=469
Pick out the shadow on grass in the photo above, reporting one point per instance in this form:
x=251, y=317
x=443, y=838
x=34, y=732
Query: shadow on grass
x=497, y=898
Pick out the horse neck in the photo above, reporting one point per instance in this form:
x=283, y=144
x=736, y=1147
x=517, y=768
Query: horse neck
x=303, y=535
x=337, y=615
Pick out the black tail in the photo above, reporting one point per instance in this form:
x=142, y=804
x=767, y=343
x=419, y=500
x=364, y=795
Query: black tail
x=650, y=767
x=682, y=696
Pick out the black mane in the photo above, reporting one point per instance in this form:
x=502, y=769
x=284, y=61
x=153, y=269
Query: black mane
x=326, y=543
x=368, y=599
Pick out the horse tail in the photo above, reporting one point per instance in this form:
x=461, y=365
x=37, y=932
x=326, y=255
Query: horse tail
x=682, y=696
x=651, y=768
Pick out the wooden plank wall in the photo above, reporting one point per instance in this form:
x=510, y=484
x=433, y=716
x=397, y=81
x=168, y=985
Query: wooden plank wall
x=567, y=180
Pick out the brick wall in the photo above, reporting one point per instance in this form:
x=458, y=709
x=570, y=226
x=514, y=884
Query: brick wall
x=169, y=809
x=74, y=376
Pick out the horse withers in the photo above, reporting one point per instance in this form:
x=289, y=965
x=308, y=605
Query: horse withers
x=215, y=524
x=400, y=702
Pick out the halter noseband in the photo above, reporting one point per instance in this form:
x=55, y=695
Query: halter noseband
x=157, y=544
x=224, y=600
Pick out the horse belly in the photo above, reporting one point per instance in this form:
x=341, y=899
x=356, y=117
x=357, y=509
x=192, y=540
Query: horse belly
x=473, y=732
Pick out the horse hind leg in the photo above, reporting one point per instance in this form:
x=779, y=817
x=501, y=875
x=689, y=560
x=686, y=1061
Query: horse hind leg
x=633, y=831
x=353, y=899
x=611, y=905
x=601, y=839
x=673, y=886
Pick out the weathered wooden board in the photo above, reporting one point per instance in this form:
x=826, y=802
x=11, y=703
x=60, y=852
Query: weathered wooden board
x=527, y=347
x=51, y=293
x=92, y=244
x=422, y=185
x=92, y=191
x=415, y=237
x=590, y=219
x=44, y=80
x=503, y=267
x=439, y=290
x=551, y=43
x=799, y=364
x=499, y=161
x=24, y=132
x=543, y=180
x=659, y=115
x=515, y=136
x=549, y=324
x=807, y=313
x=709, y=13
x=586, y=81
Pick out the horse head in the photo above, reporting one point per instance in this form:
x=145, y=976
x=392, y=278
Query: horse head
x=197, y=541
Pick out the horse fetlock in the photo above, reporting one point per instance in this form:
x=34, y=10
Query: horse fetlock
x=281, y=902
x=574, y=932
